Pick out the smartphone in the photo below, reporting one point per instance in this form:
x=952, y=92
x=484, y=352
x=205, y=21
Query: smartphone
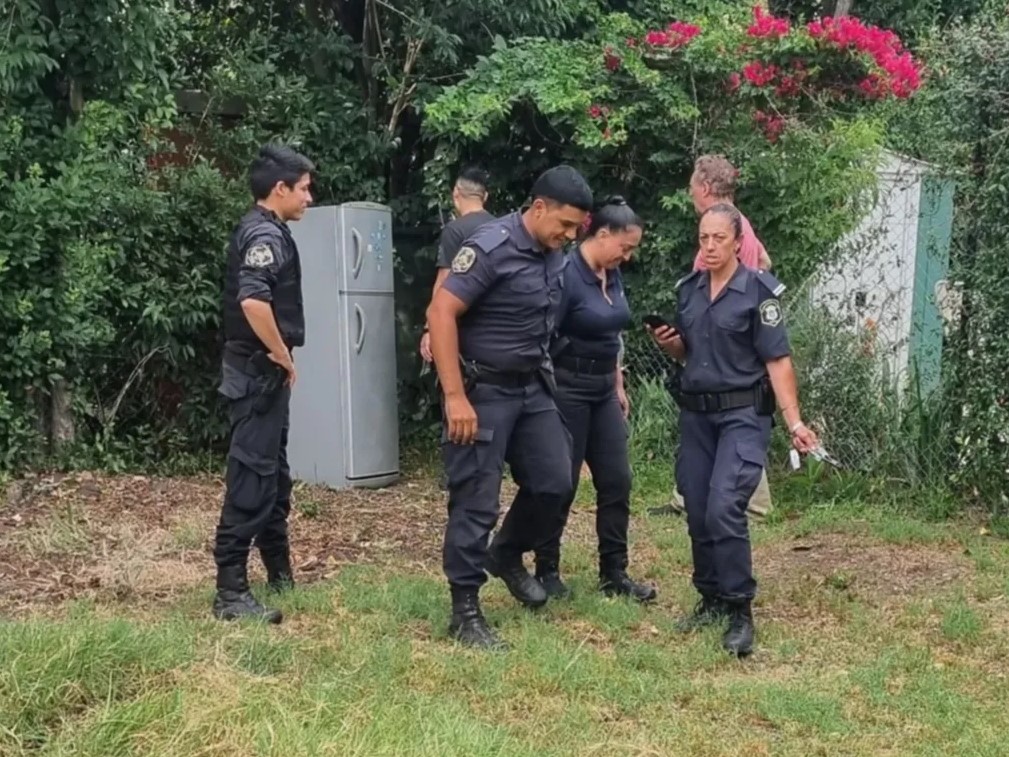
x=656, y=321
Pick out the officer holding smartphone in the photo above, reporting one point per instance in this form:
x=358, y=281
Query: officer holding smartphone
x=731, y=336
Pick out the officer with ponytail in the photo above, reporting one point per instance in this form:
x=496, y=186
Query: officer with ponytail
x=592, y=313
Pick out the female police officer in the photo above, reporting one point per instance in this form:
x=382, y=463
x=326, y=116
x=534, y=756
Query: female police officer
x=590, y=395
x=729, y=332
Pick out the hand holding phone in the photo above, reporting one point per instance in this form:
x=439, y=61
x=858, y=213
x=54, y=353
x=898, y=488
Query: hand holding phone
x=656, y=321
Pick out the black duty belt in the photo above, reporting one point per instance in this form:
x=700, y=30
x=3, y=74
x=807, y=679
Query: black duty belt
x=717, y=402
x=591, y=366
x=254, y=363
x=484, y=374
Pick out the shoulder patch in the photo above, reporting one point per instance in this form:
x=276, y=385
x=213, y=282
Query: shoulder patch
x=770, y=313
x=685, y=279
x=771, y=284
x=259, y=256
x=489, y=237
x=463, y=260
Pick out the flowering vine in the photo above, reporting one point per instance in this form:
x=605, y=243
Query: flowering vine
x=849, y=59
x=900, y=74
x=768, y=26
x=676, y=35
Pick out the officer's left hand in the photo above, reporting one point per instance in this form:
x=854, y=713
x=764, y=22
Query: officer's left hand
x=625, y=404
x=804, y=440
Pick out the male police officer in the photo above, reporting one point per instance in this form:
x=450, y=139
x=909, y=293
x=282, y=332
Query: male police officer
x=263, y=322
x=469, y=195
x=491, y=323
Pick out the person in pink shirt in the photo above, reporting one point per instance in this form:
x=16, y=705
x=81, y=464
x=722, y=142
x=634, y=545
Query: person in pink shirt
x=714, y=182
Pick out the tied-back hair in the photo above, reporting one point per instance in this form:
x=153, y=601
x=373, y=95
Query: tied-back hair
x=614, y=214
x=724, y=209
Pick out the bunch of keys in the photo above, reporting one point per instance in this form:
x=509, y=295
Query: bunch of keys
x=819, y=453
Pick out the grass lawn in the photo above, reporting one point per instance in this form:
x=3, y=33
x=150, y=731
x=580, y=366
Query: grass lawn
x=878, y=634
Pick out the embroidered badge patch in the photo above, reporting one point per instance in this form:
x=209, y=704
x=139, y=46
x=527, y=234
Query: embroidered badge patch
x=463, y=260
x=259, y=256
x=770, y=312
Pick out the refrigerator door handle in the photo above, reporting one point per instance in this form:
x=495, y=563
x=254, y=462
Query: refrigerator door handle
x=358, y=252
x=361, y=328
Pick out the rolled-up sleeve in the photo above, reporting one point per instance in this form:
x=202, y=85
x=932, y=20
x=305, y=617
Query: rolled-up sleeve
x=770, y=334
x=262, y=257
x=471, y=275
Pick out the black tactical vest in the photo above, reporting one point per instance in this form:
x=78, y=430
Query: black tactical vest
x=287, y=303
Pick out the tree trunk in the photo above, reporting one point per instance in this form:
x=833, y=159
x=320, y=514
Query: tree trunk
x=843, y=7
x=62, y=430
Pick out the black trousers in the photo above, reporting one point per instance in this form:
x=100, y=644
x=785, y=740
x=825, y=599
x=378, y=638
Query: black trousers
x=257, y=499
x=520, y=426
x=589, y=407
x=719, y=464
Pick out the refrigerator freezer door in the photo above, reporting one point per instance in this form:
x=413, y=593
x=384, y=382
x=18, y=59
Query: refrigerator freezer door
x=366, y=247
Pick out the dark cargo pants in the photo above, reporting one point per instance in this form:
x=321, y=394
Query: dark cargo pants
x=590, y=409
x=520, y=425
x=257, y=499
x=718, y=467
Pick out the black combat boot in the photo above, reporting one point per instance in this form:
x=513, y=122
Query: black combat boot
x=738, y=639
x=522, y=586
x=468, y=625
x=614, y=582
x=549, y=576
x=234, y=600
x=279, y=575
x=709, y=610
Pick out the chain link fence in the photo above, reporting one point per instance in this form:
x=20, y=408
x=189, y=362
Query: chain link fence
x=867, y=331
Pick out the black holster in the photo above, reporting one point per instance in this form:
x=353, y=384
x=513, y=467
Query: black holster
x=271, y=378
x=549, y=380
x=766, y=403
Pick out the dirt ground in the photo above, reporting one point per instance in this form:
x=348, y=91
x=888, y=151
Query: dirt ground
x=145, y=540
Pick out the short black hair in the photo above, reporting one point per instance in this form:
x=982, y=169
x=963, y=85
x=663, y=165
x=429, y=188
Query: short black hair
x=564, y=185
x=724, y=209
x=615, y=214
x=472, y=182
x=276, y=163
x=474, y=175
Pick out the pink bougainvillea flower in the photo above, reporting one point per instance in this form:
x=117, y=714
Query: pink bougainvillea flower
x=676, y=35
x=767, y=26
x=612, y=60
x=758, y=74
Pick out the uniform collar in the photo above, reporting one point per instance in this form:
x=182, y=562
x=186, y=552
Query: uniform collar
x=588, y=275
x=268, y=215
x=520, y=235
x=737, y=282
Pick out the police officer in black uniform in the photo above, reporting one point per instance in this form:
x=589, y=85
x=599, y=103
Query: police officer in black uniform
x=491, y=323
x=263, y=322
x=730, y=333
x=592, y=313
x=469, y=195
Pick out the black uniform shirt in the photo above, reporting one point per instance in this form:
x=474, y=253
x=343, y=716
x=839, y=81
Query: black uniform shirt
x=590, y=322
x=263, y=264
x=458, y=231
x=730, y=340
x=511, y=287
